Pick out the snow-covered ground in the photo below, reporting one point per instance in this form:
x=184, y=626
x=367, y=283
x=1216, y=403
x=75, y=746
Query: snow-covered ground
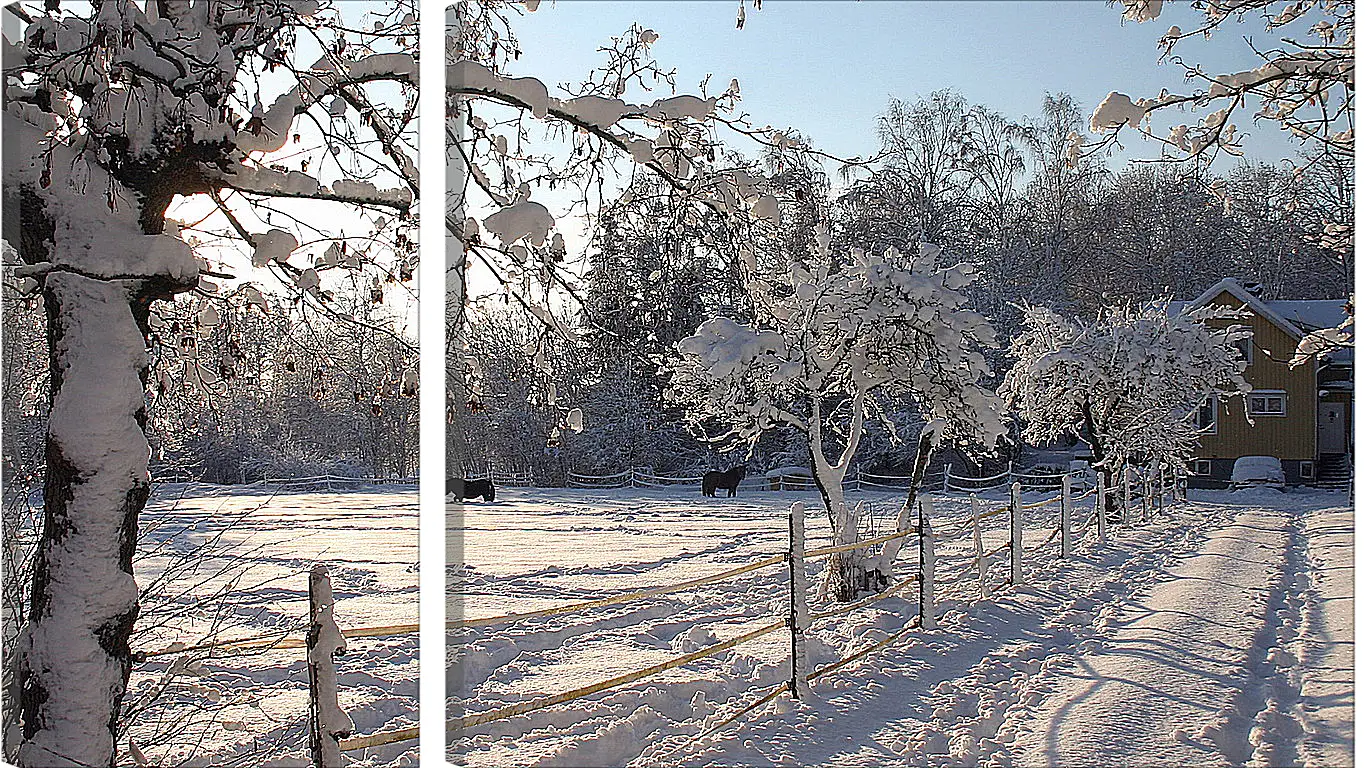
x=250, y=578
x=1218, y=633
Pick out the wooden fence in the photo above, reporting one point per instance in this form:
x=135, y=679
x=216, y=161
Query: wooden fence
x=1137, y=497
x=857, y=480
x=1142, y=494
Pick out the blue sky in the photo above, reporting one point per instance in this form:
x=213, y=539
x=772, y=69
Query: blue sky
x=828, y=68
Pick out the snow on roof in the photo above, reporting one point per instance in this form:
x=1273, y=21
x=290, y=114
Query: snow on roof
x=1295, y=318
x=1312, y=315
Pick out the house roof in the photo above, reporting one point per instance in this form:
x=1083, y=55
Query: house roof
x=1296, y=317
x=1312, y=315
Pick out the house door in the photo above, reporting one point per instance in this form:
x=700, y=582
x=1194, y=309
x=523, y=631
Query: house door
x=1331, y=428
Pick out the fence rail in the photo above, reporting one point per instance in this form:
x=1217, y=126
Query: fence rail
x=329, y=727
x=857, y=480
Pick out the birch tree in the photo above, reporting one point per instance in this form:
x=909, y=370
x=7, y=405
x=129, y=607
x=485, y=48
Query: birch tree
x=231, y=110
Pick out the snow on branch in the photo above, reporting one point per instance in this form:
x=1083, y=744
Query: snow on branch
x=1129, y=383
x=1307, y=85
x=882, y=325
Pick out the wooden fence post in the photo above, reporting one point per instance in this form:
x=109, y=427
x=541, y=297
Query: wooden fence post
x=1102, y=508
x=1066, y=516
x=978, y=551
x=926, y=570
x=798, y=616
x=1016, y=536
x=328, y=723
x=947, y=473
x=1127, y=493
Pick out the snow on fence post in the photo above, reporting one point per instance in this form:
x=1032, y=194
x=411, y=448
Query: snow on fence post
x=926, y=569
x=328, y=723
x=1009, y=471
x=947, y=473
x=798, y=617
x=1016, y=535
x=1066, y=516
x=978, y=551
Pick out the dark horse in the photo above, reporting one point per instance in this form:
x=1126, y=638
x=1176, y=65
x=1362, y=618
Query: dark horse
x=729, y=480
x=470, y=489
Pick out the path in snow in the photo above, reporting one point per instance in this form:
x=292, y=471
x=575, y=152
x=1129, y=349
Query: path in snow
x=1163, y=688
x=1329, y=650
x=1229, y=659
x=1209, y=637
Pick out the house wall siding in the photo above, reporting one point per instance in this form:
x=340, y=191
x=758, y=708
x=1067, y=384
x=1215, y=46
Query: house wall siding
x=1292, y=437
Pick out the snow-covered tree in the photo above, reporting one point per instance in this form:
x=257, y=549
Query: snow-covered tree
x=832, y=340
x=239, y=113
x=623, y=127
x=1129, y=383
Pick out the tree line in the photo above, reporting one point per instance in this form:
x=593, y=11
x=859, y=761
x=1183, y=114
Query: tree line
x=1043, y=224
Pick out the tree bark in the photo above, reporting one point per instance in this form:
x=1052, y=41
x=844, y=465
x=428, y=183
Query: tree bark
x=75, y=658
x=1098, y=455
x=923, y=451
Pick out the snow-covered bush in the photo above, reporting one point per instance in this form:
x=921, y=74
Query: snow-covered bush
x=832, y=340
x=1128, y=383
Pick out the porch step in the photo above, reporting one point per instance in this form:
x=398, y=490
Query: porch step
x=1334, y=471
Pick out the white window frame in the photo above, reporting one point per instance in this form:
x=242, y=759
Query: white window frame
x=1307, y=470
x=1202, y=467
x=1265, y=394
x=1212, y=404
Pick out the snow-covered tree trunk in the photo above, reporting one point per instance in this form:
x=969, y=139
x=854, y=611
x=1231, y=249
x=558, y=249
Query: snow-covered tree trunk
x=847, y=573
x=75, y=656
x=1099, y=456
x=927, y=443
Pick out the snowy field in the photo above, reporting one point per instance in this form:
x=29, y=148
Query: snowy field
x=218, y=563
x=1219, y=633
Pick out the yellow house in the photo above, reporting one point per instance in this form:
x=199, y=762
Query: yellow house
x=1299, y=415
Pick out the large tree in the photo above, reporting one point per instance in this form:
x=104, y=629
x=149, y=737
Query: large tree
x=1129, y=383
x=114, y=112
x=833, y=340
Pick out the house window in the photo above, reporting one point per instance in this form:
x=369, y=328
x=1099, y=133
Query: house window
x=1306, y=470
x=1245, y=348
x=1267, y=404
x=1202, y=467
x=1206, y=418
